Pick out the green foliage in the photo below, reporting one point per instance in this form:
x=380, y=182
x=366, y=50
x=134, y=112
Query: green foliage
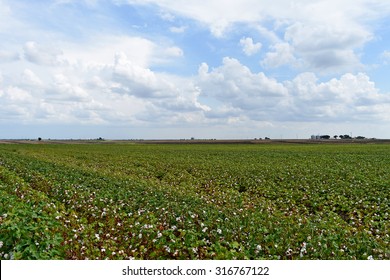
x=122, y=201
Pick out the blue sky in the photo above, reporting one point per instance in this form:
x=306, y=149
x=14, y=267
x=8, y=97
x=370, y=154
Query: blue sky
x=125, y=69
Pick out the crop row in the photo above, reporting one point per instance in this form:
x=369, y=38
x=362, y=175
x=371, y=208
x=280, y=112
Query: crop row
x=125, y=201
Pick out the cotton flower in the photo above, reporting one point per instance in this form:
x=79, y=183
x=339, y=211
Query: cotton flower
x=303, y=249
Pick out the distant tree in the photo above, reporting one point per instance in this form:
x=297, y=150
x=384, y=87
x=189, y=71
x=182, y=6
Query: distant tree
x=341, y=136
x=335, y=137
x=346, y=136
x=325, y=137
x=360, y=137
x=39, y=139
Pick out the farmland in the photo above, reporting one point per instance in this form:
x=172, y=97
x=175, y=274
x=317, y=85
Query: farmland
x=194, y=201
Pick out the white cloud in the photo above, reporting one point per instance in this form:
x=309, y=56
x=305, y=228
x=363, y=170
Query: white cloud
x=71, y=75
x=341, y=99
x=326, y=47
x=29, y=78
x=101, y=49
x=281, y=54
x=43, y=55
x=324, y=35
x=143, y=52
x=174, y=52
x=17, y=95
x=167, y=16
x=138, y=81
x=8, y=56
x=248, y=47
x=221, y=13
x=304, y=99
x=385, y=56
x=178, y=29
x=235, y=86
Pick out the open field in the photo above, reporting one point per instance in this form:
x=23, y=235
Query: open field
x=125, y=200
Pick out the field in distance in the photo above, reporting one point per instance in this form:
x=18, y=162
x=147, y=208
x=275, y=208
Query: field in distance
x=133, y=200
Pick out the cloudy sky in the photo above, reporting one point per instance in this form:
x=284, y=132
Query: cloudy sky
x=123, y=69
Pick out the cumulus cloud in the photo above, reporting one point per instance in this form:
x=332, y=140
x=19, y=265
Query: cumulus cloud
x=29, y=78
x=8, y=56
x=324, y=47
x=235, y=86
x=258, y=97
x=138, y=81
x=17, y=95
x=165, y=95
x=280, y=54
x=80, y=80
x=101, y=50
x=248, y=47
x=43, y=55
x=336, y=100
x=324, y=35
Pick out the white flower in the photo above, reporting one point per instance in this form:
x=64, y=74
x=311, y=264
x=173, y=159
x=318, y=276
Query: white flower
x=97, y=236
x=219, y=231
x=103, y=250
x=140, y=236
x=258, y=247
x=1, y=244
x=159, y=234
x=370, y=258
x=303, y=249
x=205, y=229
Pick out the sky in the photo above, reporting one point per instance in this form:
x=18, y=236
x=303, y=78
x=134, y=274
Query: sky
x=175, y=69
